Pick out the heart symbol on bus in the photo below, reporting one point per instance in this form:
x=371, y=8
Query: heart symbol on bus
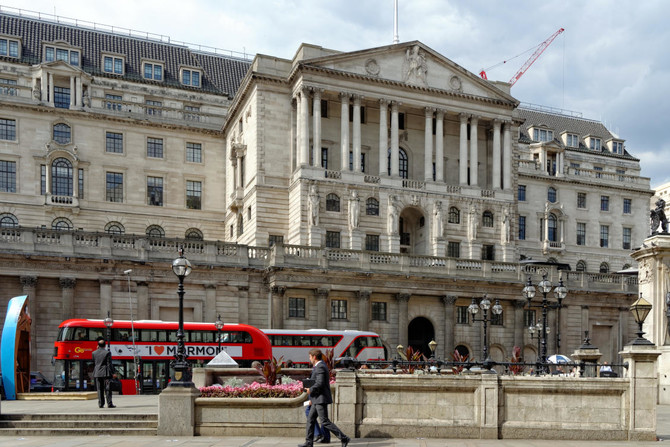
x=159, y=349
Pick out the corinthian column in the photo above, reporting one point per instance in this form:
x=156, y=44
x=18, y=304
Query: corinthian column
x=304, y=127
x=357, y=134
x=439, y=146
x=395, y=145
x=383, y=137
x=474, y=152
x=507, y=157
x=496, y=154
x=463, y=151
x=316, y=146
x=428, y=145
x=344, y=132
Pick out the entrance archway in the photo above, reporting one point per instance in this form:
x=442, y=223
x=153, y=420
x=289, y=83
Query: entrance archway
x=420, y=332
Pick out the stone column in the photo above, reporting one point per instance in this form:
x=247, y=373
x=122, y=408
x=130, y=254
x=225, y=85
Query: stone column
x=403, y=305
x=428, y=144
x=519, y=328
x=67, y=295
x=304, y=127
x=383, y=137
x=44, y=87
x=344, y=132
x=322, y=308
x=105, y=297
x=395, y=146
x=642, y=397
x=357, y=134
x=497, y=170
x=73, y=92
x=474, y=152
x=449, y=324
x=29, y=286
x=143, y=304
x=277, y=311
x=210, y=314
x=364, y=310
x=316, y=143
x=463, y=151
x=80, y=92
x=507, y=157
x=51, y=89
x=243, y=304
x=439, y=146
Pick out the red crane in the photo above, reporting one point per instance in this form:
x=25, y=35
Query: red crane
x=538, y=51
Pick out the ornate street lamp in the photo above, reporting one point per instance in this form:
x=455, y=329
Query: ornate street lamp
x=497, y=309
x=640, y=310
x=219, y=325
x=432, y=345
x=182, y=373
x=560, y=292
x=109, y=323
x=533, y=330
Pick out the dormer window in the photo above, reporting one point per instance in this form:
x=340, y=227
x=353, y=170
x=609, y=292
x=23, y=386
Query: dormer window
x=54, y=53
x=153, y=71
x=543, y=135
x=572, y=140
x=595, y=143
x=617, y=147
x=113, y=64
x=9, y=47
x=191, y=77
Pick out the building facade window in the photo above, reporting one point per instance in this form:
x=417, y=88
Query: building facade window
x=332, y=239
x=155, y=231
x=581, y=200
x=372, y=207
x=551, y=194
x=193, y=234
x=332, y=202
x=462, y=315
x=192, y=113
x=52, y=53
x=62, y=224
x=572, y=140
x=114, y=228
x=604, y=236
x=114, y=142
x=80, y=192
x=275, y=239
x=595, y=143
x=8, y=87
x=154, y=147
x=552, y=227
x=194, y=152
x=617, y=147
x=521, y=193
x=155, y=191
x=152, y=71
x=190, y=77
x=604, y=203
x=61, y=177
x=62, y=133
x=112, y=64
x=153, y=107
x=627, y=206
x=604, y=268
x=488, y=252
x=543, y=135
x=8, y=220
x=296, y=307
x=7, y=129
x=114, y=187
x=338, y=309
x=113, y=102
x=9, y=47
x=627, y=232
x=528, y=318
x=403, y=163
x=581, y=233
x=454, y=249
x=454, y=215
x=351, y=161
x=7, y=176
x=372, y=242
x=193, y=195
x=522, y=228
x=487, y=219
x=324, y=157
x=378, y=310
x=498, y=319
x=62, y=97
x=581, y=266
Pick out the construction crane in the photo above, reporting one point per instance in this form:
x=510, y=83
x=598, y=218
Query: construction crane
x=538, y=51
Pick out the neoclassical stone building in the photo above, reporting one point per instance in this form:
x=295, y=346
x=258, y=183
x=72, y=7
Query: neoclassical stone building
x=380, y=189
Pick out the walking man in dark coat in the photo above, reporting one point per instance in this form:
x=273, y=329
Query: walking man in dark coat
x=320, y=396
x=102, y=373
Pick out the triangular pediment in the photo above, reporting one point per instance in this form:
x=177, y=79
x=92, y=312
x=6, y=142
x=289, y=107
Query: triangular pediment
x=412, y=64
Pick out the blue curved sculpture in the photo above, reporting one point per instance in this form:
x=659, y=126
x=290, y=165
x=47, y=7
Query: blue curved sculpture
x=14, y=346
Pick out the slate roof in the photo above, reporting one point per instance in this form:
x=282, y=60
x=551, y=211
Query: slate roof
x=565, y=123
x=220, y=74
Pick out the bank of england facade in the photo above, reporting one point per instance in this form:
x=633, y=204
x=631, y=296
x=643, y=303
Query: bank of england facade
x=379, y=189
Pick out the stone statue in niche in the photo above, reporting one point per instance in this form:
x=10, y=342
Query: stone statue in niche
x=313, y=204
x=354, y=210
x=437, y=214
x=473, y=222
x=414, y=68
x=658, y=218
x=506, y=231
x=393, y=215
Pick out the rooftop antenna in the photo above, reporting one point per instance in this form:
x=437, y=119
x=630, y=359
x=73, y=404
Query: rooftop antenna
x=395, y=22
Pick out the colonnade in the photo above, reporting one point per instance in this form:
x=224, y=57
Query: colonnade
x=47, y=89
x=469, y=150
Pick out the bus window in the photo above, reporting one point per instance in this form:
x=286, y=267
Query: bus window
x=152, y=335
x=73, y=376
x=172, y=336
x=209, y=337
x=95, y=333
x=61, y=334
x=121, y=335
x=80, y=334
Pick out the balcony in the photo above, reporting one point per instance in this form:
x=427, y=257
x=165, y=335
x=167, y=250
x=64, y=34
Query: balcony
x=63, y=201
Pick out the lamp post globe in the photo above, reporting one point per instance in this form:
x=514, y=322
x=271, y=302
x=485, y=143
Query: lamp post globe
x=182, y=372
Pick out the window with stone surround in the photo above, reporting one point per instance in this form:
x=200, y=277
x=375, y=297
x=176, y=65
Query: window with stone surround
x=338, y=309
x=296, y=307
x=378, y=310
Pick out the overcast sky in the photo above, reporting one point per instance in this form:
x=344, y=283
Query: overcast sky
x=611, y=63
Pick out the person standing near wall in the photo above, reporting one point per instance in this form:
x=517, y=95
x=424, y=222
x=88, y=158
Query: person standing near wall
x=102, y=373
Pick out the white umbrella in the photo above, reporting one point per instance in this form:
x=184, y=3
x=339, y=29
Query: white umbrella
x=559, y=358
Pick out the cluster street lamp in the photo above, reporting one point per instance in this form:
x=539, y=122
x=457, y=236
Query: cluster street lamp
x=219, y=325
x=485, y=304
x=560, y=292
x=109, y=323
x=182, y=373
x=537, y=329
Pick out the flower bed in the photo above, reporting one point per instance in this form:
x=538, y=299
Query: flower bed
x=253, y=390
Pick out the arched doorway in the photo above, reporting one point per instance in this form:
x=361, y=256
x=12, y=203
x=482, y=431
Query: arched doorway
x=414, y=231
x=419, y=333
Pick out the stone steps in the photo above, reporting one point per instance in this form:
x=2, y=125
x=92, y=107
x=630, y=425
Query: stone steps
x=78, y=424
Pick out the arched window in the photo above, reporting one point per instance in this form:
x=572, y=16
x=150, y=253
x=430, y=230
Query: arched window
x=604, y=268
x=487, y=219
x=61, y=177
x=62, y=224
x=193, y=234
x=454, y=215
x=553, y=227
x=114, y=228
x=155, y=231
x=551, y=194
x=625, y=267
x=62, y=134
x=372, y=207
x=403, y=163
x=581, y=266
x=8, y=220
x=332, y=202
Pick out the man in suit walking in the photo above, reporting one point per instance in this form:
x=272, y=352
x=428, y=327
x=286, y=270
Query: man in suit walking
x=102, y=373
x=320, y=396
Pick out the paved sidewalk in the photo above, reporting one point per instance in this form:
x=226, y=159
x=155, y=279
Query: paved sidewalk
x=149, y=404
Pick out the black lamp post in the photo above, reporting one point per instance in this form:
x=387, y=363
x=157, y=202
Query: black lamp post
x=485, y=304
x=219, y=325
x=640, y=310
x=532, y=330
x=182, y=373
x=545, y=287
x=109, y=323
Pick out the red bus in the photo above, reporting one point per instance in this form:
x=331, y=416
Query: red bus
x=155, y=343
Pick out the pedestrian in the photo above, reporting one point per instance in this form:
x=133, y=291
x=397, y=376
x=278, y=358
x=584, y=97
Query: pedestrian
x=321, y=435
x=102, y=373
x=320, y=396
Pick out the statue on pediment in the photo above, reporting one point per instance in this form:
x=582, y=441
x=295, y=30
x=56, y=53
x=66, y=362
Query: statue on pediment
x=414, y=67
x=658, y=218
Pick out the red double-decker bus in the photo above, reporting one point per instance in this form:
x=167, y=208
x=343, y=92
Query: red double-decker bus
x=154, y=344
